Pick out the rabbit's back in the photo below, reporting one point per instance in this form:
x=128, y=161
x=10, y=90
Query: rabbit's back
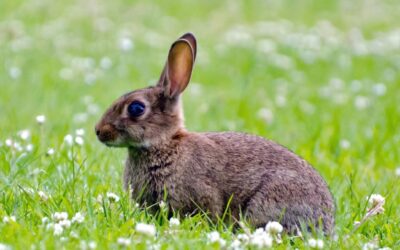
x=265, y=179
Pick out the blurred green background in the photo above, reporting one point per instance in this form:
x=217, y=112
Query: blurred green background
x=320, y=77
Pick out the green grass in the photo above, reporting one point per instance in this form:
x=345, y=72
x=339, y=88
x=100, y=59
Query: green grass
x=314, y=69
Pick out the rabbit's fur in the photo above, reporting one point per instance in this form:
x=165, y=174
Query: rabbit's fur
x=258, y=178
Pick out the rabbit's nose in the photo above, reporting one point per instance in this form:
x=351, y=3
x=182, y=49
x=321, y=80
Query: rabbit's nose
x=106, y=133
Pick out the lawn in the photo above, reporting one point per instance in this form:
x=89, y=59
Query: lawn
x=320, y=77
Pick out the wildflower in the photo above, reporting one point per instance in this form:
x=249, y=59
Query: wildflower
x=316, y=243
x=273, y=228
x=78, y=218
x=260, y=238
x=68, y=139
x=7, y=219
x=60, y=216
x=162, y=204
x=9, y=142
x=105, y=62
x=4, y=247
x=74, y=235
x=243, y=237
x=45, y=220
x=29, y=148
x=80, y=132
x=214, y=237
x=376, y=199
x=125, y=44
x=174, y=222
x=280, y=100
x=112, y=197
x=14, y=72
x=50, y=151
x=345, y=144
x=58, y=229
x=370, y=246
x=124, y=241
x=236, y=244
x=43, y=196
x=92, y=245
x=398, y=171
x=40, y=119
x=65, y=223
x=99, y=198
x=24, y=134
x=379, y=89
x=79, y=140
x=146, y=229
x=361, y=102
x=266, y=115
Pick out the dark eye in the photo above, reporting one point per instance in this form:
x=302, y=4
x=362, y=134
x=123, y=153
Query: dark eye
x=136, y=109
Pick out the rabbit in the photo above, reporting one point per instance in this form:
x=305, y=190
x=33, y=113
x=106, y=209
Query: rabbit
x=257, y=178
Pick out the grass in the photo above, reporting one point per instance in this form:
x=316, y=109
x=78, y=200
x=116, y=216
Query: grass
x=321, y=78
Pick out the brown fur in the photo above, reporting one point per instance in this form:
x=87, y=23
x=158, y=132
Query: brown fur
x=261, y=179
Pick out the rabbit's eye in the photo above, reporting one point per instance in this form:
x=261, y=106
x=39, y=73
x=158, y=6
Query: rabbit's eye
x=136, y=109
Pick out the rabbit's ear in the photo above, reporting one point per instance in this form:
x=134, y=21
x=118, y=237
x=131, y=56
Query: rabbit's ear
x=178, y=68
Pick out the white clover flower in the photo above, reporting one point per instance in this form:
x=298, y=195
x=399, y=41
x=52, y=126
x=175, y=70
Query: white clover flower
x=50, y=151
x=40, y=119
x=17, y=146
x=124, y=241
x=398, y=171
x=105, y=62
x=316, y=243
x=79, y=140
x=69, y=139
x=379, y=89
x=260, y=238
x=376, y=199
x=74, y=235
x=43, y=196
x=243, y=237
x=63, y=239
x=14, y=72
x=273, y=228
x=236, y=245
x=174, y=222
x=146, y=229
x=45, y=220
x=266, y=114
x=9, y=142
x=280, y=100
x=361, y=102
x=126, y=44
x=7, y=219
x=29, y=148
x=162, y=204
x=92, y=245
x=78, y=218
x=345, y=144
x=24, y=134
x=112, y=197
x=370, y=246
x=65, y=223
x=214, y=237
x=99, y=198
x=4, y=247
x=58, y=229
x=80, y=132
x=60, y=216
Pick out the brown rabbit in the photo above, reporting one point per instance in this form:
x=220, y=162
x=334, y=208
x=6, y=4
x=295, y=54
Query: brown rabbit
x=258, y=178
